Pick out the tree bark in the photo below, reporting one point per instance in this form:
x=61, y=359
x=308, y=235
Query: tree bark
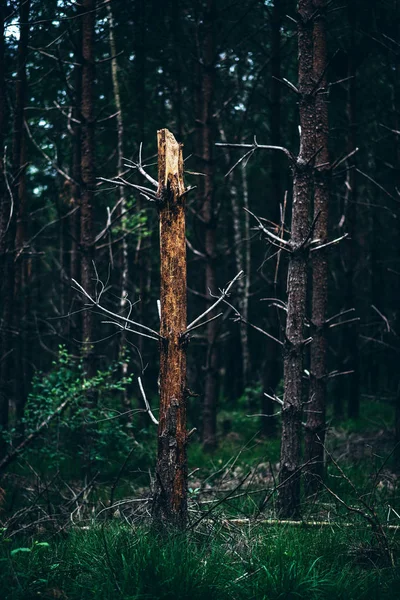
x=5, y=258
x=351, y=342
x=124, y=265
x=241, y=241
x=206, y=195
x=75, y=199
x=88, y=175
x=293, y=355
x=18, y=223
x=170, y=499
x=316, y=408
x=271, y=368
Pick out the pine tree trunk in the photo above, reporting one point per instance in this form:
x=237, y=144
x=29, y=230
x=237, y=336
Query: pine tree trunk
x=88, y=175
x=289, y=477
x=17, y=225
x=316, y=408
x=351, y=342
x=271, y=368
x=206, y=194
x=241, y=244
x=5, y=257
x=170, y=499
x=124, y=265
x=75, y=320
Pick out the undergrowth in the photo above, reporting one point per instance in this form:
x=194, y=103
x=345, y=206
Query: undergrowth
x=261, y=562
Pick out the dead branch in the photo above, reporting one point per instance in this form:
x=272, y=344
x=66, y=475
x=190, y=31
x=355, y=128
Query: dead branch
x=96, y=302
x=224, y=294
x=147, y=405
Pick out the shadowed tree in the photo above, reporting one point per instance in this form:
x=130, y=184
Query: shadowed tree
x=293, y=353
x=87, y=173
x=316, y=408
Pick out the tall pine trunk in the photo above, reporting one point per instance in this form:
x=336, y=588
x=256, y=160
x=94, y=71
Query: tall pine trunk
x=87, y=175
x=5, y=255
x=293, y=356
x=18, y=223
x=124, y=265
x=207, y=210
x=316, y=408
x=271, y=368
x=351, y=342
x=75, y=320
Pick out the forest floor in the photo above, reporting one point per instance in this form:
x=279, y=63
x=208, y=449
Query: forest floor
x=101, y=545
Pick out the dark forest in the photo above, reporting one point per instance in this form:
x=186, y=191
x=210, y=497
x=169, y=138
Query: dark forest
x=199, y=299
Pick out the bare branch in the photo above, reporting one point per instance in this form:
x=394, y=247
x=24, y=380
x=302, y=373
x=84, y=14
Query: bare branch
x=243, y=320
x=47, y=157
x=336, y=241
x=274, y=398
x=203, y=323
x=383, y=317
x=344, y=312
x=275, y=240
x=344, y=322
x=95, y=302
x=342, y=160
x=255, y=145
x=148, y=409
x=140, y=168
x=224, y=293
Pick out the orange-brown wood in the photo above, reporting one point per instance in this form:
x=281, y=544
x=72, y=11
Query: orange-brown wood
x=170, y=501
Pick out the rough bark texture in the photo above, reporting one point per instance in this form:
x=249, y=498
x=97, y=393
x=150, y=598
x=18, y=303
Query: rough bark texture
x=396, y=312
x=18, y=223
x=4, y=216
x=206, y=194
x=271, y=368
x=241, y=244
x=88, y=174
x=124, y=265
x=316, y=409
x=289, y=477
x=75, y=198
x=170, y=499
x=351, y=340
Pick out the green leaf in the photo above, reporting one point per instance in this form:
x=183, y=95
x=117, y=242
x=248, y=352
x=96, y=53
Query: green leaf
x=43, y=544
x=17, y=550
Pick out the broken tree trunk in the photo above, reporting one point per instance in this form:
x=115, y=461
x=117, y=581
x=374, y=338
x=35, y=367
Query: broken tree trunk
x=170, y=498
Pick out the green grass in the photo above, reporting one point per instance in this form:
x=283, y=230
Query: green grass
x=261, y=563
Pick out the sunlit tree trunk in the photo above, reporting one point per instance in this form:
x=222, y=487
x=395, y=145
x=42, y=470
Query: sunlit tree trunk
x=170, y=499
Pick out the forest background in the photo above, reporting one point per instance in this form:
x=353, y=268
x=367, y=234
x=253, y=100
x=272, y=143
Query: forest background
x=84, y=89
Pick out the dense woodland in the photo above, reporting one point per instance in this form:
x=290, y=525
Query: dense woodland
x=199, y=297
